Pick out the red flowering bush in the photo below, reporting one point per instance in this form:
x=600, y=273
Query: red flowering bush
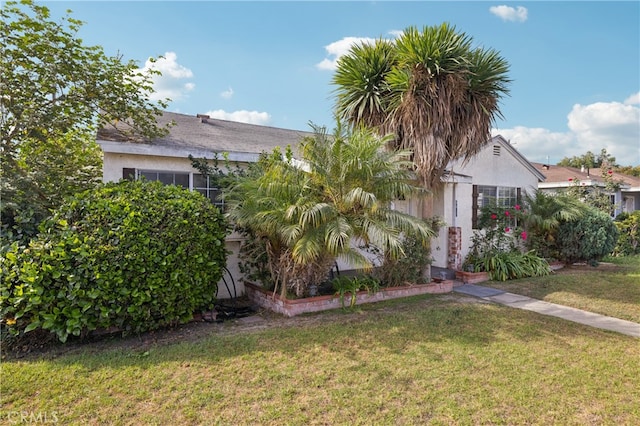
x=501, y=228
x=498, y=245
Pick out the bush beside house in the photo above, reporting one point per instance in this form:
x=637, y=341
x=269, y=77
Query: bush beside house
x=588, y=238
x=134, y=256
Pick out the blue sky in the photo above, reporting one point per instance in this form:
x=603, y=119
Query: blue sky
x=575, y=65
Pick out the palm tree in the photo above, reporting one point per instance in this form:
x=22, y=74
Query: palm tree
x=544, y=214
x=432, y=89
x=336, y=199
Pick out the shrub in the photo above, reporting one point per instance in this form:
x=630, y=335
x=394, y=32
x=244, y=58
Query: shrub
x=629, y=228
x=497, y=246
x=131, y=255
x=587, y=239
x=409, y=268
x=514, y=265
x=352, y=285
x=545, y=213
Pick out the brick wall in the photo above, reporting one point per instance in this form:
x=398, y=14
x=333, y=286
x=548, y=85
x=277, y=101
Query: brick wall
x=454, y=248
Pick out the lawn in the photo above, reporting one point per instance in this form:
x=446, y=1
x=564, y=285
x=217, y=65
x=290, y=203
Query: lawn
x=440, y=359
x=612, y=288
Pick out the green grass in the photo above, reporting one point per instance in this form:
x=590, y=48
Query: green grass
x=609, y=289
x=424, y=360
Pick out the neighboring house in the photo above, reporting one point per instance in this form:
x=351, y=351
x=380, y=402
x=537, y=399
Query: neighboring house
x=560, y=178
x=498, y=172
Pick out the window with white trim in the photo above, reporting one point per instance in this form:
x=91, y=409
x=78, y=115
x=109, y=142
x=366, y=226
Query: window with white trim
x=167, y=178
x=485, y=195
x=192, y=181
x=206, y=186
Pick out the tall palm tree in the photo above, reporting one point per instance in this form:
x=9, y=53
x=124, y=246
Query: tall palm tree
x=432, y=89
x=311, y=214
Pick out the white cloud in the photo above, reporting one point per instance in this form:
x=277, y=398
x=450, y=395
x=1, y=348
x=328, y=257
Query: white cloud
x=538, y=144
x=508, y=13
x=633, y=99
x=227, y=94
x=171, y=83
x=610, y=125
x=613, y=126
x=339, y=48
x=243, y=116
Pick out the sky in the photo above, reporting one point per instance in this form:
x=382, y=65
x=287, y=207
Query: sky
x=575, y=65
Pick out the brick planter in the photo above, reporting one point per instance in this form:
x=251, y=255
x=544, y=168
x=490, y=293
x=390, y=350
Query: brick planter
x=292, y=307
x=472, y=277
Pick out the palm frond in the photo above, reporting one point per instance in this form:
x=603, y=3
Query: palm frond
x=440, y=95
x=361, y=86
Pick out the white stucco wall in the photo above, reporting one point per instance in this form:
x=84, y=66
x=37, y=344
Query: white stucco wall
x=114, y=163
x=454, y=203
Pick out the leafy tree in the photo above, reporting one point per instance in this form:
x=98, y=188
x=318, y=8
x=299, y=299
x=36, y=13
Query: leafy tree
x=590, y=160
x=628, y=170
x=432, y=89
x=310, y=213
x=44, y=173
x=54, y=93
x=596, y=196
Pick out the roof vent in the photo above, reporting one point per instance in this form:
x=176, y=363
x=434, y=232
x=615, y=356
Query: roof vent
x=496, y=150
x=203, y=117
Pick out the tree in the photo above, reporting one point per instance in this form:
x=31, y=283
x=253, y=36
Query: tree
x=309, y=214
x=596, y=196
x=432, y=89
x=628, y=170
x=590, y=160
x=54, y=93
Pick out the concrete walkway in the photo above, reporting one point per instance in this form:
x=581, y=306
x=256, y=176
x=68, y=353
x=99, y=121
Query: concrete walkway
x=571, y=314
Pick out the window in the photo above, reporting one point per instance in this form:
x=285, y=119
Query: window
x=195, y=182
x=484, y=195
x=204, y=185
x=167, y=178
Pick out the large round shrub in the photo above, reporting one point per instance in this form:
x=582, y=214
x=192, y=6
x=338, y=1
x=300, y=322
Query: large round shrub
x=587, y=239
x=134, y=256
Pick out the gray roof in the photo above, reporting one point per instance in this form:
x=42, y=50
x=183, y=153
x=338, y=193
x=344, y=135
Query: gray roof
x=200, y=133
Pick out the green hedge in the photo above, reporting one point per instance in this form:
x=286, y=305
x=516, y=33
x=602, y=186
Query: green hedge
x=134, y=256
x=587, y=239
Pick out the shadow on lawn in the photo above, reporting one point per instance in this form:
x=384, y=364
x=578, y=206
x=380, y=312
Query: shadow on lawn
x=429, y=323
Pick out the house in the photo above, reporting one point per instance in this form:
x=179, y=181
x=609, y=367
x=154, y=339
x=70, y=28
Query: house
x=167, y=159
x=498, y=172
x=626, y=199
